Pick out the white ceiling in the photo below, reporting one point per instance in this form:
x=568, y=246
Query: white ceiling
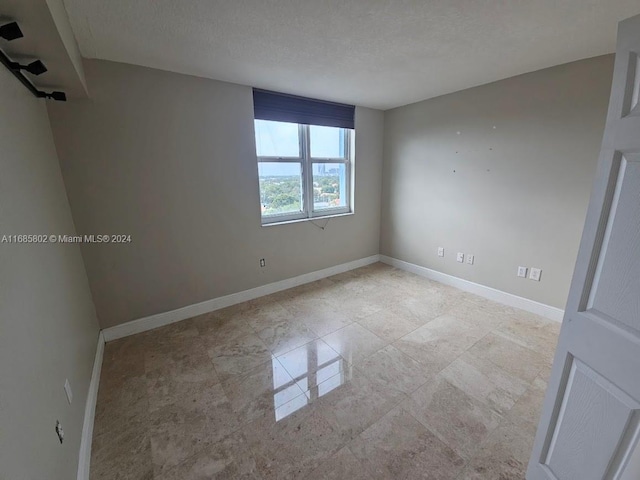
x=376, y=53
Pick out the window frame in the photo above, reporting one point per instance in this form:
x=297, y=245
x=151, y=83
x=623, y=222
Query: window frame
x=308, y=212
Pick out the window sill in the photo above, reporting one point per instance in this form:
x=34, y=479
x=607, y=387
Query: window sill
x=301, y=220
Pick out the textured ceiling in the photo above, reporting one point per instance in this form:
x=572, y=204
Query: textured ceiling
x=374, y=53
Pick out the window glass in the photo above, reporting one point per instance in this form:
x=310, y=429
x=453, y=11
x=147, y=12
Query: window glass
x=280, y=187
x=327, y=142
x=329, y=185
x=304, y=171
x=277, y=139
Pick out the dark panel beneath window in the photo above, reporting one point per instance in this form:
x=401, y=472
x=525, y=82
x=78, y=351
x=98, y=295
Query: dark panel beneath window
x=281, y=107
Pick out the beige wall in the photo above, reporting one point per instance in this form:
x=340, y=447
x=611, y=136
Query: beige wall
x=48, y=326
x=513, y=195
x=170, y=159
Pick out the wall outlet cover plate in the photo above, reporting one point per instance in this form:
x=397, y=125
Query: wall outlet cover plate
x=67, y=390
x=534, y=274
x=460, y=257
x=522, y=272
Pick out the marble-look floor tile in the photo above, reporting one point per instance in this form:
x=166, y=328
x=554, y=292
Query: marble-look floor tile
x=354, y=306
x=122, y=359
x=428, y=303
x=195, y=422
x=320, y=316
x=352, y=402
x=321, y=289
x=545, y=372
x=178, y=334
x=509, y=356
x=286, y=336
x=119, y=408
x=485, y=381
x=504, y=455
x=312, y=364
x=190, y=364
x=357, y=282
x=267, y=315
x=123, y=454
x=417, y=316
x=228, y=458
x=388, y=325
x=394, y=369
x=459, y=420
x=529, y=406
x=382, y=296
x=301, y=307
x=467, y=328
x=483, y=318
x=354, y=343
x=487, y=305
x=292, y=447
x=398, y=446
x=239, y=356
x=216, y=329
x=325, y=323
x=343, y=465
x=196, y=396
x=260, y=391
x=163, y=356
x=208, y=398
x=440, y=341
x=532, y=332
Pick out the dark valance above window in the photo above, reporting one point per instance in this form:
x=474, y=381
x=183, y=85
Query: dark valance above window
x=281, y=107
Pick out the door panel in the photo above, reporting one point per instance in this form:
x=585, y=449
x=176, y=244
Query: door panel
x=590, y=422
x=594, y=419
x=615, y=291
x=632, y=95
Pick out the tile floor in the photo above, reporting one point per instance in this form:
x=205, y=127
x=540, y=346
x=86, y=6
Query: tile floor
x=372, y=374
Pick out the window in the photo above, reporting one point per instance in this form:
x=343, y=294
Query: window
x=304, y=166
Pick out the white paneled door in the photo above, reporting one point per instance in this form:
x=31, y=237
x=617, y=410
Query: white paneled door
x=590, y=422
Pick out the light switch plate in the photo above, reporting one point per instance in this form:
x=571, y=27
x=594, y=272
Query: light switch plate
x=470, y=259
x=522, y=272
x=534, y=274
x=460, y=257
x=441, y=251
x=67, y=390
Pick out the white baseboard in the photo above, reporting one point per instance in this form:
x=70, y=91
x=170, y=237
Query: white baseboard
x=84, y=460
x=165, y=318
x=522, y=303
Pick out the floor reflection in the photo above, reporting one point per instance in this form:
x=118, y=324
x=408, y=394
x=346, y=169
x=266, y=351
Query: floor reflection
x=316, y=369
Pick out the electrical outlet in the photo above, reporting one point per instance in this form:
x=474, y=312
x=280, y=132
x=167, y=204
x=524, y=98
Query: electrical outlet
x=67, y=390
x=470, y=259
x=460, y=257
x=263, y=263
x=534, y=274
x=522, y=272
x=59, y=431
x=441, y=251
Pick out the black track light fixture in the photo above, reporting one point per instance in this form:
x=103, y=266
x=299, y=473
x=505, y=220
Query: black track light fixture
x=10, y=31
x=59, y=96
x=34, y=68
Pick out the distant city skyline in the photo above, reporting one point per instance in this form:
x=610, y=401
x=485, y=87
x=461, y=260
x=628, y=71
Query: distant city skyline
x=280, y=169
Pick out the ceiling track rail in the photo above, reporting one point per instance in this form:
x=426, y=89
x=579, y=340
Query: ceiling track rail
x=9, y=32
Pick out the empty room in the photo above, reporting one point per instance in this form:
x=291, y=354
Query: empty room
x=324, y=239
